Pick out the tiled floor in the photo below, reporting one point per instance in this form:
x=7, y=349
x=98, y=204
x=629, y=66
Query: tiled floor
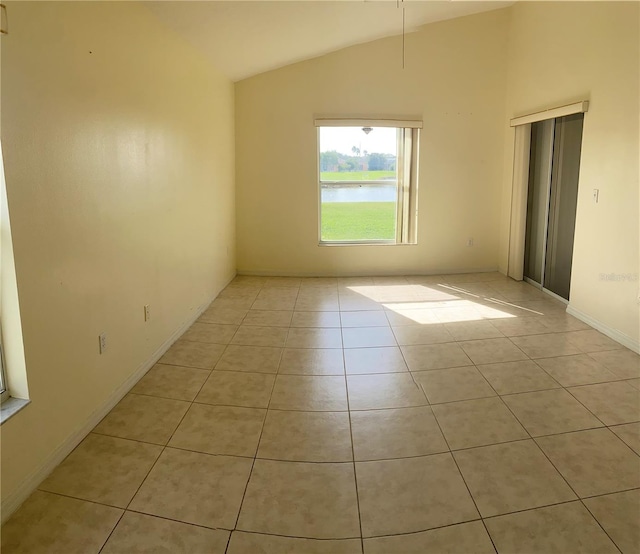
x=464, y=413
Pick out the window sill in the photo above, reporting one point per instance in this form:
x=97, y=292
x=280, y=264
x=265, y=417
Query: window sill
x=11, y=407
x=366, y=243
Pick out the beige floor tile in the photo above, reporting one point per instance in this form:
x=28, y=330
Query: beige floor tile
x=513, y=377
x=456, y=383
x=231, y=388
x=408, y=335
x=365, y=337
x=612, y=403
x=593, y=462
x=172, y=381
x=314, y=338
x=142, y=533
x=255, y=543
x=283, y=282
x=251, y=335
x=579, y=369
x=223, y=316
x=357, y=303
x=316, y=319
x=489, y=351
x=210, y=332
x=385, y=359
x=624, y=363
x=274, y=303
x=546, y=346
x=194, y=488
x=413, y=494
x=629, y=434
x=592, y=341
x=385, y=390
x=399, y=317
x=619, y=515
x=455, y=539
x=312, y=361
x=143, y=418
x=258, y=359
x=510, y=477
x=478, y=423
x=364, y=319
x=306, y=437
x=226, y=430
x=236, y=302
x=457, y=315
x=563, y=322
x=268, y=318
x=193, y=354
x=103, y=469
x=247, y=281
x=564, y=528
x=301, y=499
x=309, y=393
x=473, y=330
x=435, y=356
x=328, y=303
x=395, y=433
x=329, y=283
x=49, y=523
x=550, y=412
x=519, y=326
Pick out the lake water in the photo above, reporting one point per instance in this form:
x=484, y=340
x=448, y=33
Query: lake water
x=359, y=193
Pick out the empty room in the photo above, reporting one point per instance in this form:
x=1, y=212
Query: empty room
x=320, y=277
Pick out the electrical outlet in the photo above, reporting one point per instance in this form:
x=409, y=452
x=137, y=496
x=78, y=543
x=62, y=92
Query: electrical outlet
x=147, y=312
x=102, y=339
x=470, y=241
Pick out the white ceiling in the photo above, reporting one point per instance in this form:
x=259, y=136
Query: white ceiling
x=244, y=38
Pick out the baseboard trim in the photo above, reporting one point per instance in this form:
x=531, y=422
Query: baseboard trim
x=400, y=273
x=625, y=340
x=31, y=483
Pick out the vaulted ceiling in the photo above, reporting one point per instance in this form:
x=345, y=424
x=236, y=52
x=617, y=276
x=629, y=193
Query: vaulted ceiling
x=244, y=38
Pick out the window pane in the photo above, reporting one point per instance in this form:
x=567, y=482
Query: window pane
x=358, y=183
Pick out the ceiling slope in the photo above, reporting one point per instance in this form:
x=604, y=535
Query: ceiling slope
x=242, y=39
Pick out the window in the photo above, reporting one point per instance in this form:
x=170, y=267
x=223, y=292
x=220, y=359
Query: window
x=368, y=177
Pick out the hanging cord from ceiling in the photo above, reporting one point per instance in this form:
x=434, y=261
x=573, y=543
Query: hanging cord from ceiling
x=400, y=4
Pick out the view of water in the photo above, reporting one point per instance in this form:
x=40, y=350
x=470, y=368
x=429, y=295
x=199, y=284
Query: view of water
x=359, y=193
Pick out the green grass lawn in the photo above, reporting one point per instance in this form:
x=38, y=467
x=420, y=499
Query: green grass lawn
x=358, y=221
x=356, y=175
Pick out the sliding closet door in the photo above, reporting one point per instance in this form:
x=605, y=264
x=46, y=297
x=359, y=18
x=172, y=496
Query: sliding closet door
x=562, y=204
x=538, y=199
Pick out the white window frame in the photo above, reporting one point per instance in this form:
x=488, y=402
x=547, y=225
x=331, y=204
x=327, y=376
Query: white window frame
x=4, y=390
x=407, y=179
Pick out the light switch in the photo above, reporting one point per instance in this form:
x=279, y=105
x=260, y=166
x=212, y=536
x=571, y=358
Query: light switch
x=596, y=193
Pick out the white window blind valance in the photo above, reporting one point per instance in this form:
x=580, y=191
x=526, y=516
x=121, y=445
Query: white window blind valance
x=353, y=122
x=552, y=113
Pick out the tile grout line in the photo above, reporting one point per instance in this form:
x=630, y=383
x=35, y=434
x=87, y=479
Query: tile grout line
x=353, y=453
x=253, y=463
x=578, y=497
x=459, y=471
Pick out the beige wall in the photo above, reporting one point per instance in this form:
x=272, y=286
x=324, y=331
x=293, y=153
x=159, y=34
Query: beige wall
x=119, y=160
x=455, y=80
x=564, y=52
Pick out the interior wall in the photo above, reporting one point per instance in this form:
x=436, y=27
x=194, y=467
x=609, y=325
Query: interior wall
x=454, y=79
x=565, y=52
x=118, y=145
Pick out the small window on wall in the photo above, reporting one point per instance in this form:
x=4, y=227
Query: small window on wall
x=368, y=181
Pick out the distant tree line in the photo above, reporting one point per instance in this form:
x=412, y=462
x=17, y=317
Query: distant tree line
x=360, y=161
